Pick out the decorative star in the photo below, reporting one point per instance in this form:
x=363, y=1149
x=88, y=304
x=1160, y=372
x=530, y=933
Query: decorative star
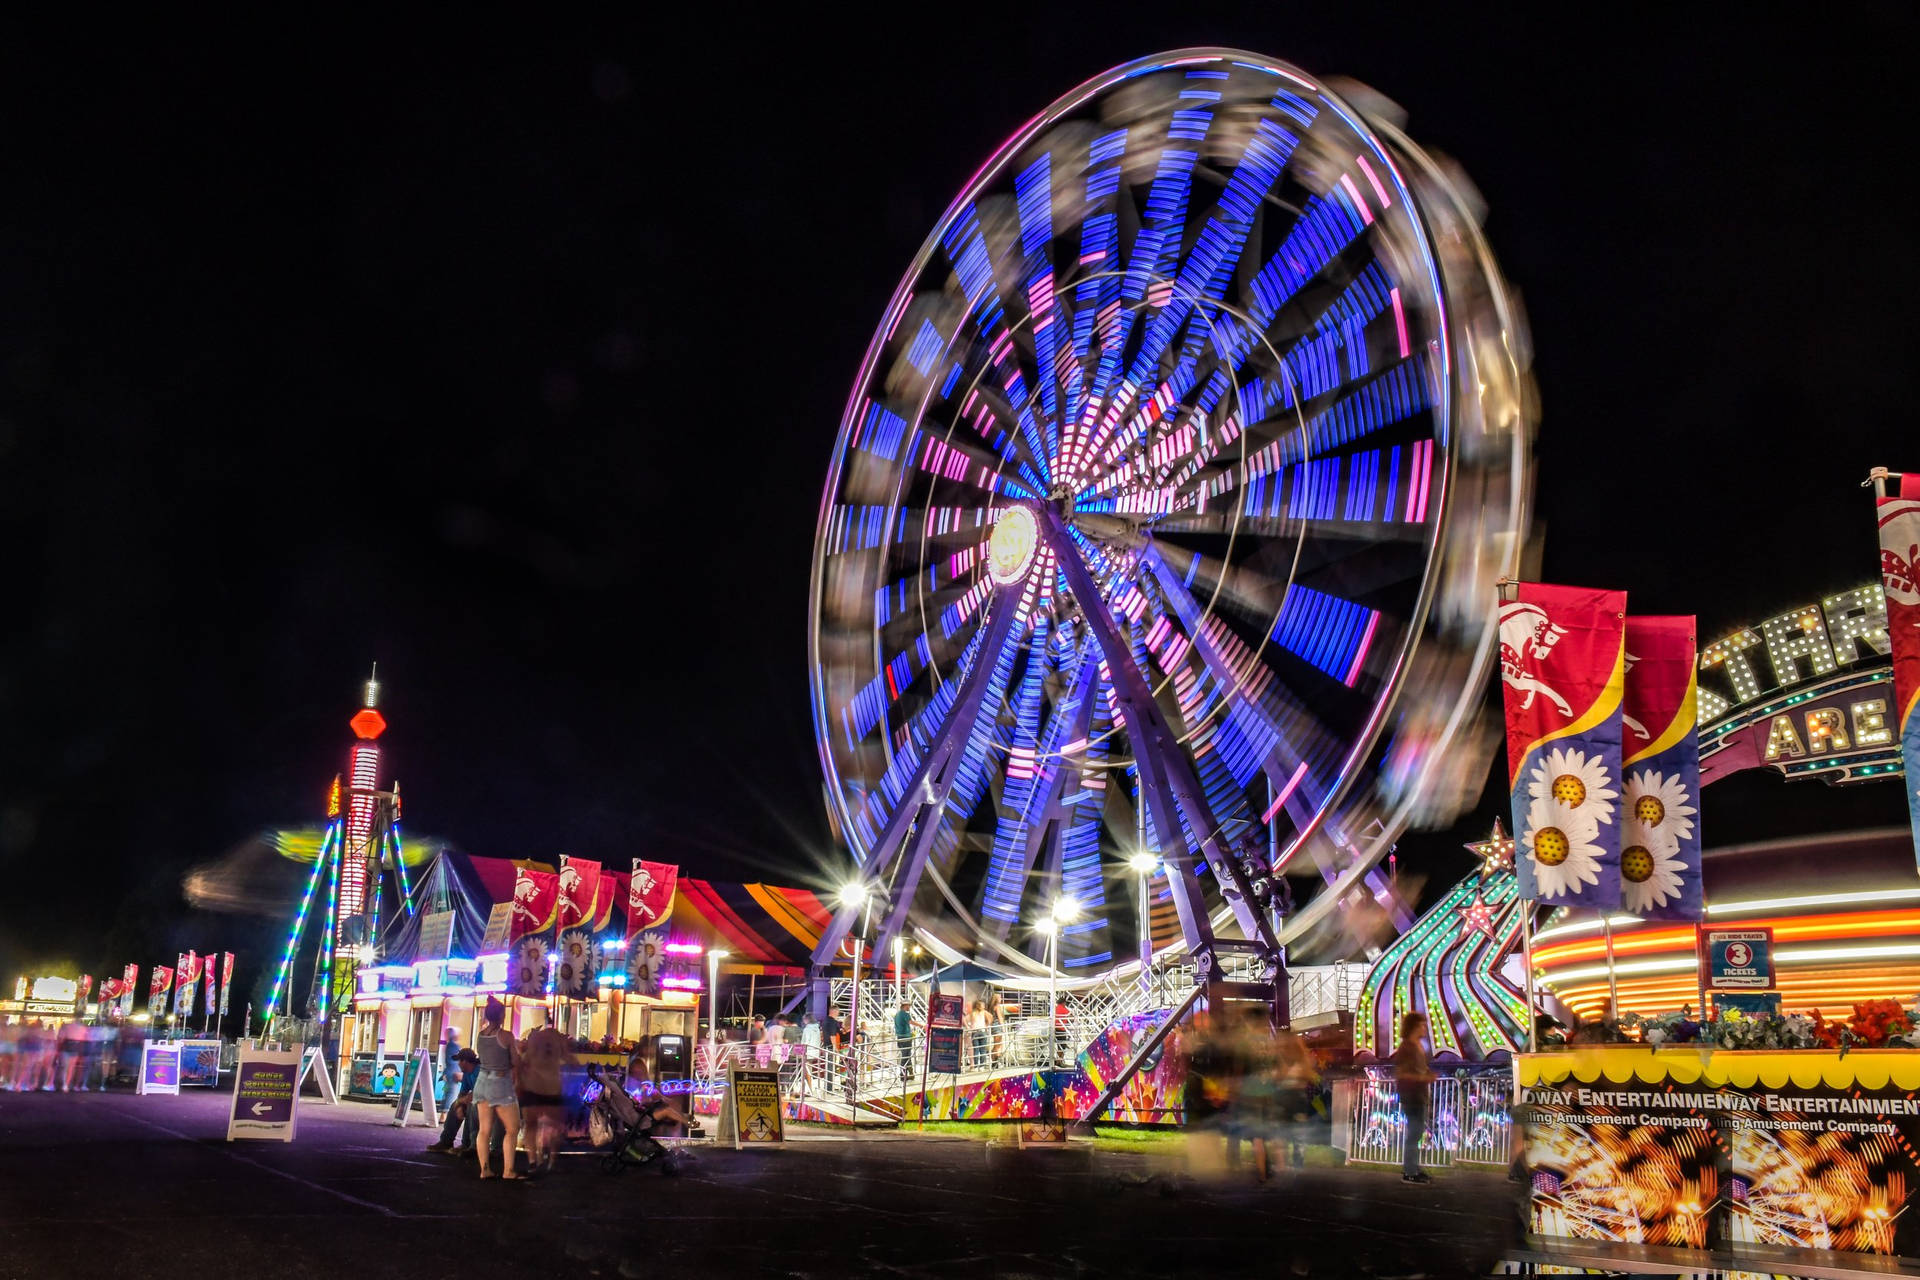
x=1478, y=914
x=1495, y=852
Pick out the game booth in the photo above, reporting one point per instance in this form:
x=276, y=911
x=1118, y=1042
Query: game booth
x=399, y=1005
x=1777, y=1132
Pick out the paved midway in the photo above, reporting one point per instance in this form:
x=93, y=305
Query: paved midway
x=123, y=1186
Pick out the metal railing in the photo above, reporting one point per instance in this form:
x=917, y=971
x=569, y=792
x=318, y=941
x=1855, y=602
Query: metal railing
x=1467, y=1119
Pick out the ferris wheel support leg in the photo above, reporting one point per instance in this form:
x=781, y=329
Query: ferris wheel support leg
x=1166, y=778
x=1050, y=809
x=898, y=854
x=1280, y=763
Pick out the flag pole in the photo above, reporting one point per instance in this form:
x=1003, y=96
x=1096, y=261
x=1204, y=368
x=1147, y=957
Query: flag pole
x=1613, y=987
x=1526, y=951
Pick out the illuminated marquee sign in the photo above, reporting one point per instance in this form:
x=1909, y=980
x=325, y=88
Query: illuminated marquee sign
x=1801, y=644
x=1807, y=693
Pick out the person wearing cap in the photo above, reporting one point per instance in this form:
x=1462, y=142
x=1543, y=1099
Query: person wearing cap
x=461, y=1113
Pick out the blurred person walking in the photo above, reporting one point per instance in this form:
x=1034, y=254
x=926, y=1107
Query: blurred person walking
x=542, y=1054
x=1298, y=1084
x=73, y=1056
x=1413, y=1078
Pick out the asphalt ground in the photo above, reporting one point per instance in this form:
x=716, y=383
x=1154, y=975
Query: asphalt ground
x=124, y=1186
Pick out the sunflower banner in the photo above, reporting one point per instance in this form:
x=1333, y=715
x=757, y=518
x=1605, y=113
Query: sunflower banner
x=1660, y=832
x=1562, y=662
x=159, y=983
x=531, y=958
x=1899, y=514
x=577, y=965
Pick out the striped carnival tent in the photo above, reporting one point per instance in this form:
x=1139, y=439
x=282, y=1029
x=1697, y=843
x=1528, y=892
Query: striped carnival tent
x=765, y=929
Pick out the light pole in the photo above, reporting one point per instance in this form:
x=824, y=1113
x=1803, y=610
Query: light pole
x=1065, y=912
x=899, y=955
x=714, y=957
x=854, y=894
x=1144, y=864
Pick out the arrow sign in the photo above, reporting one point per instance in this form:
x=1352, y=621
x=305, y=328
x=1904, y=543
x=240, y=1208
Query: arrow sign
x=264, y=1087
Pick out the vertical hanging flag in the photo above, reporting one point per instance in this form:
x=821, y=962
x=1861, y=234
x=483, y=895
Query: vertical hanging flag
x=84, y=990
x=226, y=980
x=129, y=987
x=579, y=882
x=1562, y=661
x=212, y=1005
x=535, y=900
x=159, y=982
x=1900, y=574
x=186, y=983
x=650, y=894
x=1660, y=825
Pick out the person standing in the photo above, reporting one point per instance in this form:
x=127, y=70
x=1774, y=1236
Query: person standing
x=977, y=1033
x=493, y=1091
x=542, y=1054
x=1413, y=1077
x=809, y=1041
x=903, y=1037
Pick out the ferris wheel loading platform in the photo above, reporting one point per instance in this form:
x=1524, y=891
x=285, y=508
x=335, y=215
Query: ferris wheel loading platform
x=1113, y=1032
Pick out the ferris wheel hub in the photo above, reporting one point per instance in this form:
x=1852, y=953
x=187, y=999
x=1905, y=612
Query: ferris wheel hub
x=1011, y=545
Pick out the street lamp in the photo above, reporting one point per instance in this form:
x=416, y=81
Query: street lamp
x=714, y=957
x=1065, y=911
x=899, y=957
x=856, y=896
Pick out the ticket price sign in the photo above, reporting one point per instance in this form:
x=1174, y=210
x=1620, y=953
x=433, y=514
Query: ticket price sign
x=945, y=1016
x=1736, y=959
x=752, y=1114
x=265, y=1084
x=159, y=1067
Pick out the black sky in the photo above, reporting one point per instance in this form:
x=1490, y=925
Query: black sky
x=512, y=358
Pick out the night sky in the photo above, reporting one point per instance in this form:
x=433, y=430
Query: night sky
x=512, y=359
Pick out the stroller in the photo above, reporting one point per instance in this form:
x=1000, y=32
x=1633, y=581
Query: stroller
x=624, y=1129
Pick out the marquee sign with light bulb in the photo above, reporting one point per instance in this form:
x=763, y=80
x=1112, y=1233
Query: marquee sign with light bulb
x=1808, y=693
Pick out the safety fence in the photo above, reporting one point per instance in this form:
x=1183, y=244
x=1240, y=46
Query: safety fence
x=1467, y=1118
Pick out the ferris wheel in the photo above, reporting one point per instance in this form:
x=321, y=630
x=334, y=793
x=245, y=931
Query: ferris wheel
x=1164, y=518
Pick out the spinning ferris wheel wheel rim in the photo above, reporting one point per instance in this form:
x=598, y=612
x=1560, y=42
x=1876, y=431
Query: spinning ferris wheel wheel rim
x=1099, y=487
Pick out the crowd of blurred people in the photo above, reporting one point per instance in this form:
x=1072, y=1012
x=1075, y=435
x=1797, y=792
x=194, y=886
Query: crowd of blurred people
x=1248, y=1082
x=39, y=1055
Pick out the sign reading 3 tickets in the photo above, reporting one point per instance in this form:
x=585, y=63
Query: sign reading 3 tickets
x=1736, y=959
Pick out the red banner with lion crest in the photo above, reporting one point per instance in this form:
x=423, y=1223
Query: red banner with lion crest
x=1899, y=514
x=1563, y=664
